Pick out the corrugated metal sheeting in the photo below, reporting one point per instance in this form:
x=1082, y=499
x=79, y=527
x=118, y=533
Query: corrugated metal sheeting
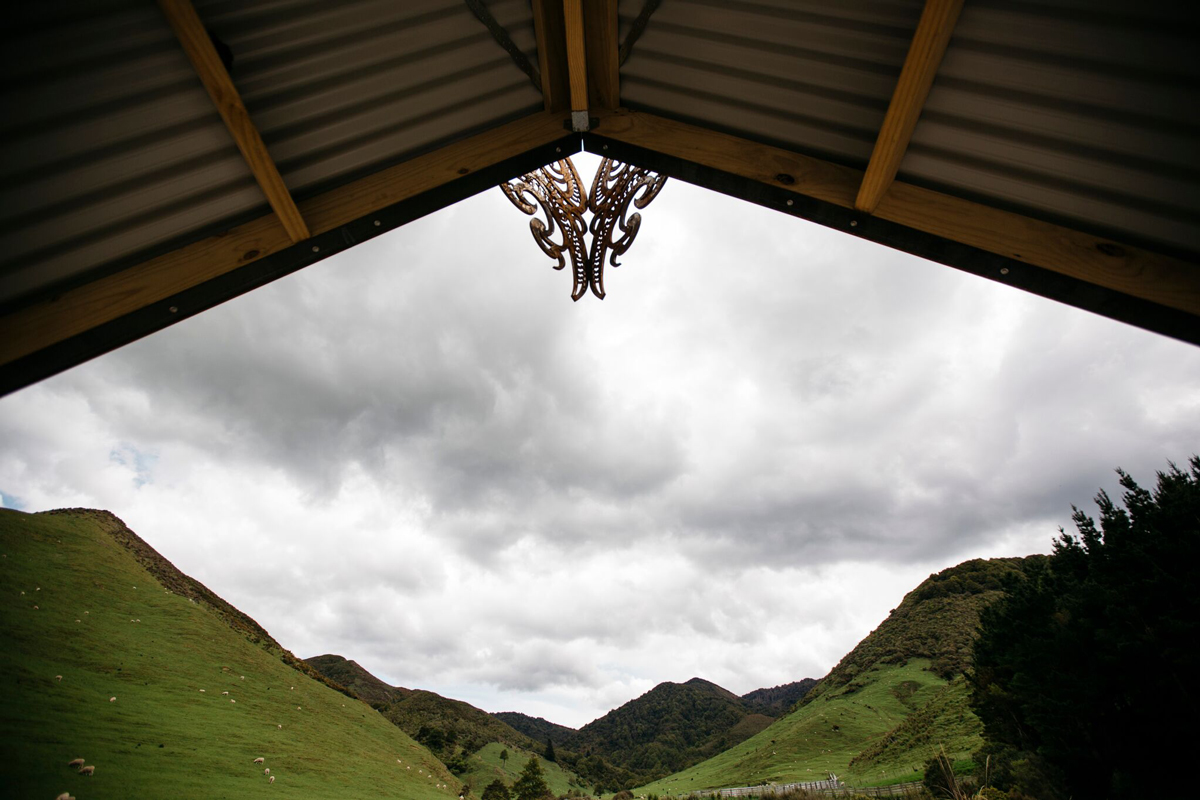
x=806, y=75
x=110, y=149
x=1082, y=112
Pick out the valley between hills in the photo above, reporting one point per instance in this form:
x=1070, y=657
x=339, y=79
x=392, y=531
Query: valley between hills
x=112, y=655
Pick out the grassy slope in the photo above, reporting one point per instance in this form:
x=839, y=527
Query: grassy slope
x=805, y=745
x=163, y=737
x=946, y=721
x=889, y=695
x=487, y=766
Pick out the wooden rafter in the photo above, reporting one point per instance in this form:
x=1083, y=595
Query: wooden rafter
x=76, y=311
x=200, y=51
x=916, y=77
x=576, y=55
x=551, y=33
x=1132, y=271
x=603, y=53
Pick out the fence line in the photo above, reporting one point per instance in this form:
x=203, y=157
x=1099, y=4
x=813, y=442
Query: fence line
x=829, y=788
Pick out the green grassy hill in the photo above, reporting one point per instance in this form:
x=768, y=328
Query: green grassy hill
x=485, y=766
x=466, y=738
x=116, y=620
x=888, y=705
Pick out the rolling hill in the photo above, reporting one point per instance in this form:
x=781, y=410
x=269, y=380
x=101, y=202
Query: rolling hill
x=887, y=706
x=466, y=738
x=146, y=656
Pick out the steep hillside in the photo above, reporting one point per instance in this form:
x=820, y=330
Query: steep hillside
x=537, y=728
x=442, y=723
x=669, y=728
x=352, y=676
x=778, y=700
x=83, y=598
x=895, y=698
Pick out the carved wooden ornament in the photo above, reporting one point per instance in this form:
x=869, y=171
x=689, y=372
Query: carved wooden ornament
x=557, y=189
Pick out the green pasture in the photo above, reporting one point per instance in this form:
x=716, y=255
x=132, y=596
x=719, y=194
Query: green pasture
x=111, y=630
x=825, y=735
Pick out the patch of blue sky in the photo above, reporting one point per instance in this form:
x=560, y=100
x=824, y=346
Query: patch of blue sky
x=140, y=462
x=10, y=501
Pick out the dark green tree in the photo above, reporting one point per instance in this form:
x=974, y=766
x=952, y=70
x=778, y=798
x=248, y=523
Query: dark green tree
x=496, y=790
x=1083, y=671
x=550, y=751
x=504, y=757
x=531, y=785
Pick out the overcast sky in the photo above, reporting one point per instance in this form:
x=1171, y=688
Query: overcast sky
x=421, y=455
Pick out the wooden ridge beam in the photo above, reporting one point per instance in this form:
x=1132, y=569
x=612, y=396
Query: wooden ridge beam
x=194, y=38
x=550, y=29
x=1155, y=277
x=912, y=89
x=44, y=323
x=577, y=66
x=603, y=53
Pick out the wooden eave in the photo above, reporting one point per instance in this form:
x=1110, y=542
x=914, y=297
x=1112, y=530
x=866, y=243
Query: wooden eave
x=578, y=62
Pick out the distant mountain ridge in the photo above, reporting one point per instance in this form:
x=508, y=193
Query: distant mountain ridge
x=667, y=729
x=537, y=727
x=778, y=700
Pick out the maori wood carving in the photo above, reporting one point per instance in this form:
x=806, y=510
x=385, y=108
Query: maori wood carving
x=565, y=232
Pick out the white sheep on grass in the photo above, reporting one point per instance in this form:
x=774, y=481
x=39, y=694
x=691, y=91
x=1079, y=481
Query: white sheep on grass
x=75, y=762
x=112, y=699
x=87, y=770
x=64, y=796
x=271, y=779
x=267, y=771
x=58, y=678
x=258, y=760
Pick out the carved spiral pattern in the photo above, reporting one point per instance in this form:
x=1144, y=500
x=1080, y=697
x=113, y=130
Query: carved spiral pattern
x=557, y=189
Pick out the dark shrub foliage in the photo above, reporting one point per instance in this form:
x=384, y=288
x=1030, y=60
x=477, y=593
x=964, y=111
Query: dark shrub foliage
x=1084, y=670
x=496, y=790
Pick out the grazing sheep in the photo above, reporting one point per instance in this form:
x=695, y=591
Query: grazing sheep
x=78, y=620
x=267, y=771
x=297, y=708
x=35, y=608
x=224, y=692
x=271, y=779
x=64, y=796
x=202, y=690
x=58, y=678
x=258, y=760
x=112, y=699
x=243, y=677
x=77, y=763
x=232, y=700
x=279, y=726
x=87, y=770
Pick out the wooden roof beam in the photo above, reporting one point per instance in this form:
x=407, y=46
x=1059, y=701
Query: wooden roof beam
x=550, y=29
x=47, y=322
x=603, y=53
x=184, y=20
x=577, y=63
x=916, y=77
x=1158, y=278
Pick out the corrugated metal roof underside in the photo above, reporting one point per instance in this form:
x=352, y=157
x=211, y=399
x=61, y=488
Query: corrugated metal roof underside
x=807, y=75
x=112, y=151
x=1080, y=111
